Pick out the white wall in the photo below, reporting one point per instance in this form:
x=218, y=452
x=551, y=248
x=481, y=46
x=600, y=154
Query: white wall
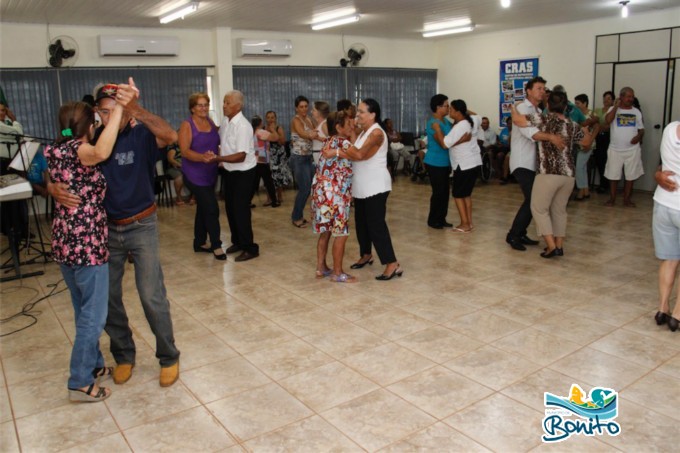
x=313, y=49
x=469, y=65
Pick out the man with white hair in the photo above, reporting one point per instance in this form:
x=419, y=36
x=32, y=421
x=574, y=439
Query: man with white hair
x=237, y=154
x=624, y=153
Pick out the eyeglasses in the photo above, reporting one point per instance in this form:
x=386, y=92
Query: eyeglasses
x=203, y=106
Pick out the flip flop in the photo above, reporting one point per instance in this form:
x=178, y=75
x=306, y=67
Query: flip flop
x=102, y=374
x=324, y=274
x=88, y=396
x=460, y=230
x=302, y=224
x=343, y=278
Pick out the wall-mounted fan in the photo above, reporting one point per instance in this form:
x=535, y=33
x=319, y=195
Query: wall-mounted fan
x=357, y=55
x=62, y=52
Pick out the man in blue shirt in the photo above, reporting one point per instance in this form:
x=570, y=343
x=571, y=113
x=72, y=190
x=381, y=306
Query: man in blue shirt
x=131, y=210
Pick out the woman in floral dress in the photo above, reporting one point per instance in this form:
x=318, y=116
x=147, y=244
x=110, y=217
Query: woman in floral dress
x=80, y=238
x=331, y=197
x=278, y=160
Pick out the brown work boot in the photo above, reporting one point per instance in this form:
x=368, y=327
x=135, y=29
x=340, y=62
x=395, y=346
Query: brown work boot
x=122, y=373
x=169, y=375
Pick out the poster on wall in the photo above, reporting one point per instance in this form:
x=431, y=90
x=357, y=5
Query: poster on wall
x=513, y=79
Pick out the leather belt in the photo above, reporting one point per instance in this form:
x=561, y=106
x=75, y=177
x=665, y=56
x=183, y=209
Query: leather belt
x=142, y=215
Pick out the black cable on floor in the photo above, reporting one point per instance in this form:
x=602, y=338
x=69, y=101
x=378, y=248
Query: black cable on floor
x=27, y=309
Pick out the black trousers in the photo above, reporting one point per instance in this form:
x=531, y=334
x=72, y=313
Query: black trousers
x=601, y=147
x=369, y=216
x=207, y=219
x=525, y=178
x=238, y=190
x=439, y=201
x=263, y=171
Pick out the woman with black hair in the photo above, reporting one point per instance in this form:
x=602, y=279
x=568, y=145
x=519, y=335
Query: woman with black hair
x=370, y=187
x=466, y=159
x=437, y=162
x=302, y=133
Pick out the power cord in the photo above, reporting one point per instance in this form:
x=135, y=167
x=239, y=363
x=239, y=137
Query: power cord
x=27, y=309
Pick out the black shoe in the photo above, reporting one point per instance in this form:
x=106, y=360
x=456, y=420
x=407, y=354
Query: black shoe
x=526, y=240
x=276, y=204
x=221, y=257
x=233, y=248
x=447, y=224
x=436, y=226
x=549, y=254
x=201, y=249
x=398, y=272
x=673, y=324
x=558, y=252
x=359, y=265
x=515, y=243
x=661, y=318
x=245, y=256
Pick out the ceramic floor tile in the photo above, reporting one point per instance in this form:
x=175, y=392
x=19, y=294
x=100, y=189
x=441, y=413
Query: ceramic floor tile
x=439, y=344
x=527, y=309
x=290, y=358
x=492, y=367
x=656, y=391
x=65, y=427
x=114, y=442
x=38, y=395
x=439, y=309
x=327, y=386
x=515, y=427
x=599, y=369
x=341, y=343
x=259, y=411
x=576, y=444
x=377, y=419
x=439, y=391
x=224, y=378
x=311, y=322
x=643, y=429
x=632, y=346
x=485, y=326
x=192, y=430
x=671, y=367
x=309, y=435
x=609, y=311
x=8, y=438
x=134, y=405
x=394, y=324
x=5, y=408
x=388, y=363
x=572, y=327
x=436, y=438
x=537, y=346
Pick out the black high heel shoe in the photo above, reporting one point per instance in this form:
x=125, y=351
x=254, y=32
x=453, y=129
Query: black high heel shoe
x=549, y=254
x=220, y=257
x=359, y=265
x=673, y=324
x=661, y=318
x=398, y=272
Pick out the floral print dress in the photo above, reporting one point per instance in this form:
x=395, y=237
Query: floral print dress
x=79, y=235
x=331, y=190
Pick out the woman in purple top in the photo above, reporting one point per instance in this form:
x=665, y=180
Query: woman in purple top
x=199, y=140
x=80, y=238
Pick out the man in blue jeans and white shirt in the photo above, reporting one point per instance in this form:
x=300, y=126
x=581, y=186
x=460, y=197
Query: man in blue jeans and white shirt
x=131, y=210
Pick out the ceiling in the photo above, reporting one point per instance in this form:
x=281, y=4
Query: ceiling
x=380, y=18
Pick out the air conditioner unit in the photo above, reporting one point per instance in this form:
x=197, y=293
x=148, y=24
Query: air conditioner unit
x=125, y=46
x=264, y=47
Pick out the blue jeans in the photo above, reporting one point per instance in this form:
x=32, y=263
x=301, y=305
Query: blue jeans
x=303, y=172
x=582, y=169
x=139, y=238
x=89, y=286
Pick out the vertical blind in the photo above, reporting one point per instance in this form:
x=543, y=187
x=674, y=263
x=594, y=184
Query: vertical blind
x=35, y=95
x=403, y=94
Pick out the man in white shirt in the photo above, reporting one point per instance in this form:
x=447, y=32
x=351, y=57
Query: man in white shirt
x=488, y=141
x=523, y=162
x=238, y=158
x=625, y=134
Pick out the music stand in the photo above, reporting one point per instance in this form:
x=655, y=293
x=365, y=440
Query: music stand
x=21, y=161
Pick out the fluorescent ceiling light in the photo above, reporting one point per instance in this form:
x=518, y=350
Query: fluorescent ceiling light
x=335, y=14
x=336, y=22
x=505, y=3
x=448, y=24
x=180, y=12
x=448, y=31
x=624, y=8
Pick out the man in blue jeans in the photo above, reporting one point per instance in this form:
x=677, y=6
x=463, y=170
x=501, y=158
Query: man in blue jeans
x=131, y=210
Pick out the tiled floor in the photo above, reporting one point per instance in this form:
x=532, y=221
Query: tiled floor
x=454, y=356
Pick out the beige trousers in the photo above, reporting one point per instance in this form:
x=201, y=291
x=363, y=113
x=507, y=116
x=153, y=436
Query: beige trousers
x=549, y=199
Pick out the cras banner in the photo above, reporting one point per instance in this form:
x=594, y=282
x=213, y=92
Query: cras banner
x=514, y=75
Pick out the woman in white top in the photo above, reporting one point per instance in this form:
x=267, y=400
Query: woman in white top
x=320, y=113
x=466, y=159
x=371, y=185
